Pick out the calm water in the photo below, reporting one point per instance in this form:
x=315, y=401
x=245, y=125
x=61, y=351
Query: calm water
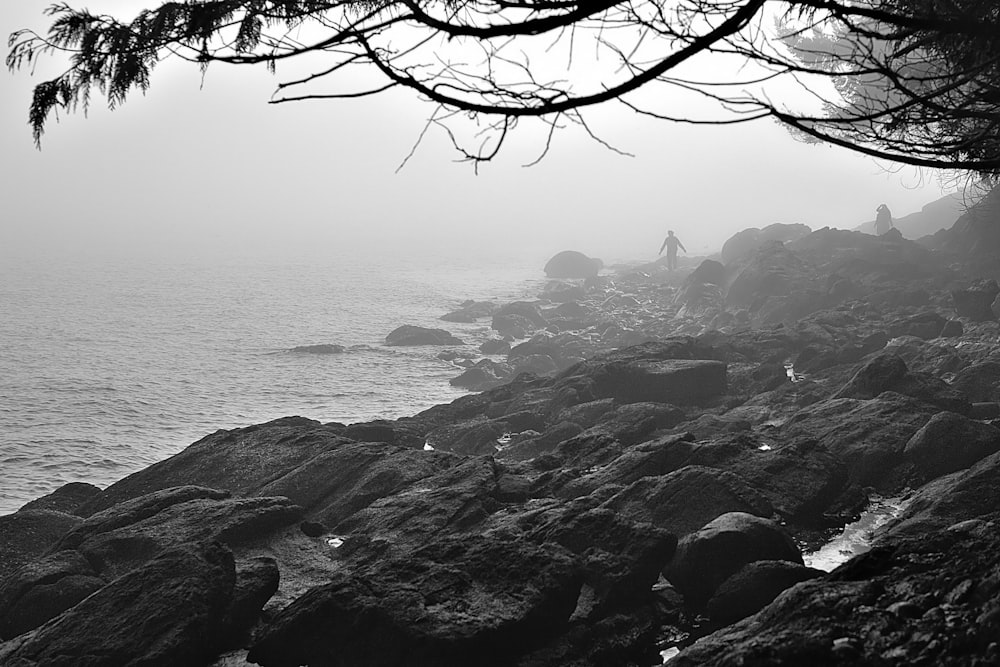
x=106, y=367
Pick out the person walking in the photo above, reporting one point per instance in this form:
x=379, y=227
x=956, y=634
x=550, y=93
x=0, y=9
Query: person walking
x=672, y=243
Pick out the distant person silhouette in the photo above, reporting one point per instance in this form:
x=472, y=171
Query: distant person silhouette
x=671, y=243
x=883, y=220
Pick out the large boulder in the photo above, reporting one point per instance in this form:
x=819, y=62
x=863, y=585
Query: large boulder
x=241, y=461
x=125, y=536
x=980, y=382
x=742, y=244
x=888, y=372
x=67, y=498
x=678, y=381
x=44, y=588
x=449, y=603
x=170, y=611
x=685, y=500
x=27, y=534
x=754, y=586
x=950, y=442
x=976, y=301
x=706, y=558
x=927, y=325
x=572, y=264
x=409, y=334
x=930, y=600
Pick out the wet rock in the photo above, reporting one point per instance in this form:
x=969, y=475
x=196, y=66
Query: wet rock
x=67, y=498
x=470, y=312
x=322, y=348
x=29, y=533
x=685, y=500
x=754, y=586
x=945, y=501
x=980, y=382
x=42, y=589
x=167, y=612
x=706, y=558
x=927, y=326
x=345, y=479
x=888, y=372
x=125, y=536
x=538, y=364
x=976, y=301
x=486, y=374
x=866, y=437
x=677, y=381
x=514, y=325
x=558, y=292
x=773, y=271
x=526, y=309
x=952, y=329
x=451, y=602
x=241, y=461
x=950, y=442
x=409, y=334
x=495, y=346
x=570, y=264
x=256, y=582
x=744, y=243
x=845, y=618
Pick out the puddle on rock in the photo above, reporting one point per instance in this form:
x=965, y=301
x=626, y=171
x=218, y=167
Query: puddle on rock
x=856, y=537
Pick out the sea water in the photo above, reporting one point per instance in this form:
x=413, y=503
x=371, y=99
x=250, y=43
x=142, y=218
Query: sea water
x=107, y=366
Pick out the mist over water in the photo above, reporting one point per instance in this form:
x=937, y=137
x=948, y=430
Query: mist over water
x=111, y=364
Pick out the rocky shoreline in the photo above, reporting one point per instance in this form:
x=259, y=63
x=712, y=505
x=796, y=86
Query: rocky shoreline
x=648, y=456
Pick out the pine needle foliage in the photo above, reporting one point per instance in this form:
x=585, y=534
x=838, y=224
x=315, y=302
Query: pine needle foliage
x=912, y=81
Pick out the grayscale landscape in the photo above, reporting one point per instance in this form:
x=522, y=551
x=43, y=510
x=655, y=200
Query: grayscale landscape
x=505, y=333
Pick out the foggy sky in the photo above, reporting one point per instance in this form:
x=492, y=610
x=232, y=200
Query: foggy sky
x=192, y=170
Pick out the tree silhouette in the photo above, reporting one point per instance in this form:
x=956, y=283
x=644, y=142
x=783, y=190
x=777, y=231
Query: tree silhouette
x=913, y=81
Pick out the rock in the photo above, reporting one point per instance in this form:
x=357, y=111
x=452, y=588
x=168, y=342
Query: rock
x=256, y=581
x=558, y=292
x=448, y=603
x=67, y=498
x=677, y=381
x=923, y=325
x=754, y=586
x=745, y=242
x=950, y=442
x=486, y=374
x=985, y=410
x=961, y=496
x=44, y=588
x=167, y=612
x=127, y=535
x=952, y=329
x=865, y=438
x=976, y=301
x=538, y=364
x=495, y=346
x=348, y=478
x=888, y=372
x=687, y=499
x=854, y=615
x=29, y=533
x=470, y=312
x=706, y=558
x=980, y=382
x=773, y=271
x=413, y=335
x=241, y=461
x=570, y=264
x=514, y=325
x=323, y=348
